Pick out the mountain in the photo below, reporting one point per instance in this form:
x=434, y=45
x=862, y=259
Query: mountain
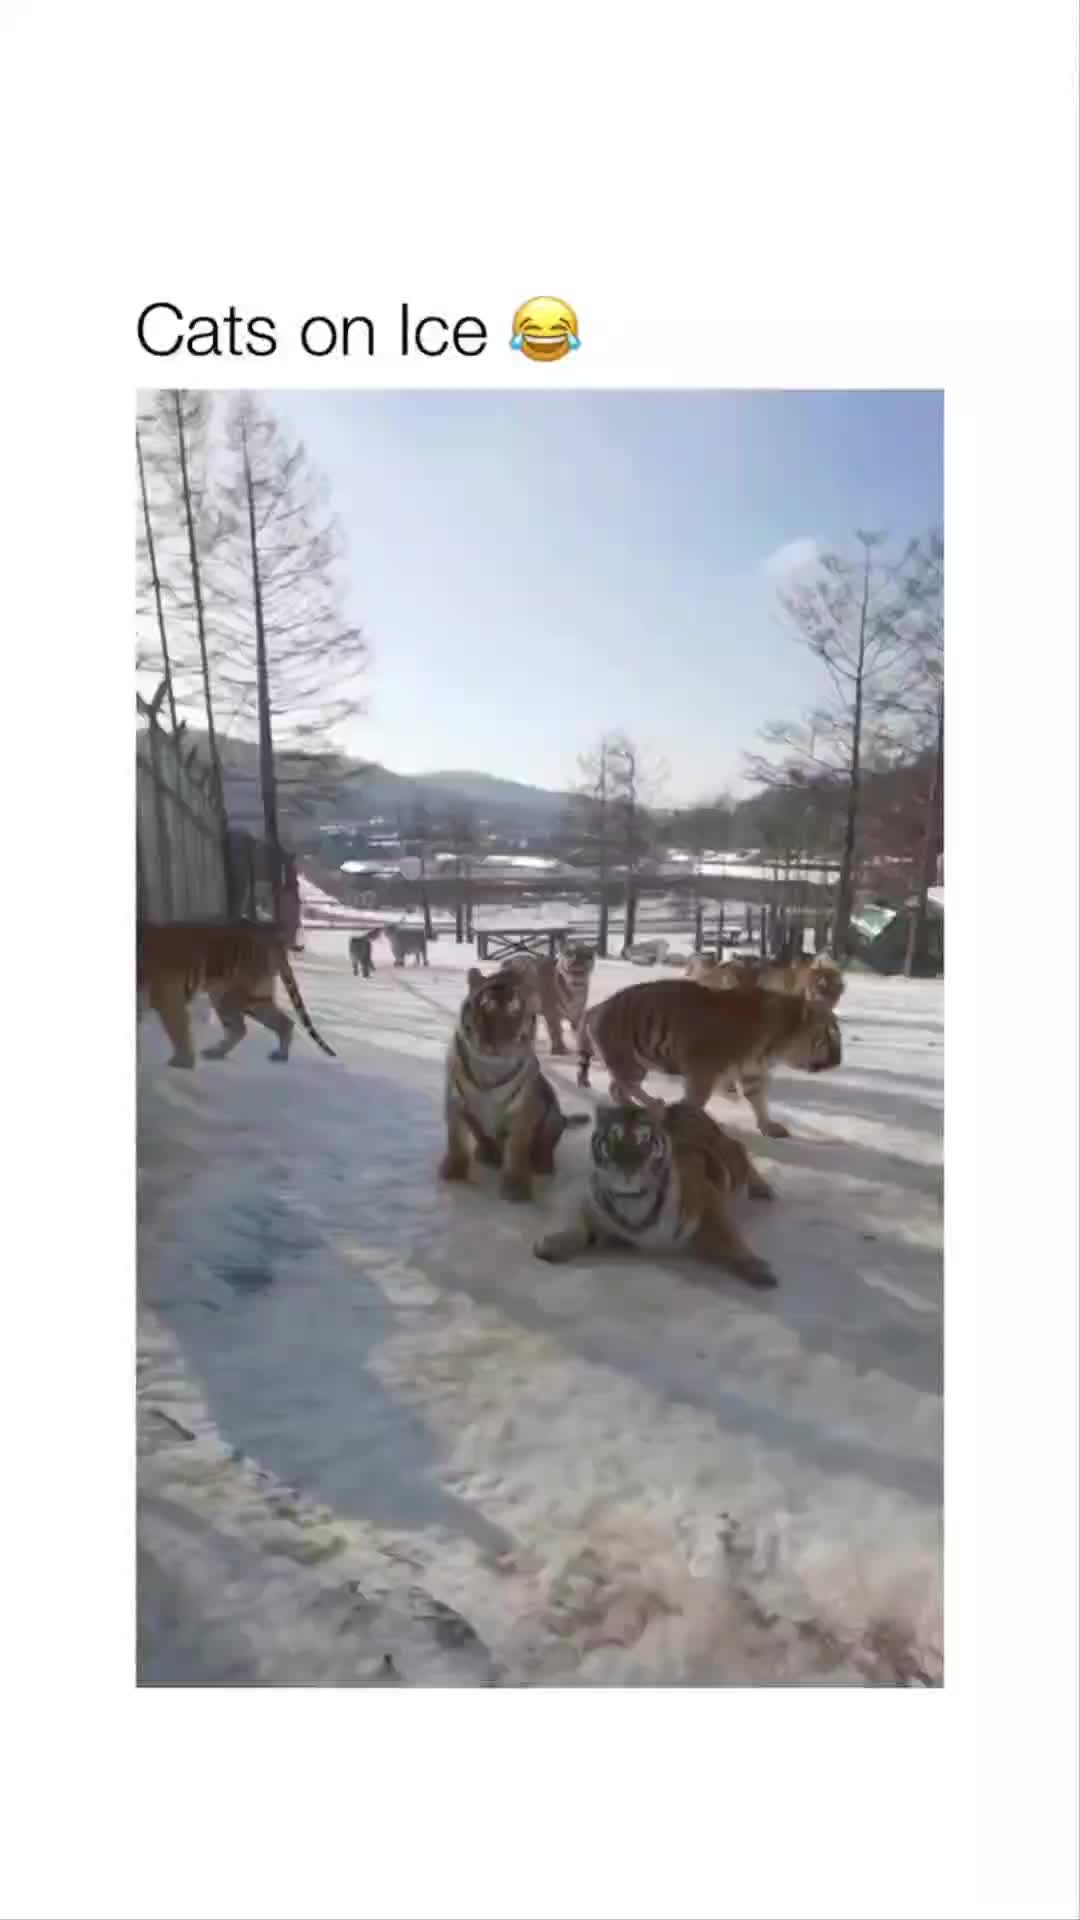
x=487, y=790
x=365, y=792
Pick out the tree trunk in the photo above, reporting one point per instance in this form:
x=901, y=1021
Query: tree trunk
x=845, y=892
x=602, y=936
x=267, y=777
x=152, y=555
x=630, y=917
x=929, y=846
x=196, y=589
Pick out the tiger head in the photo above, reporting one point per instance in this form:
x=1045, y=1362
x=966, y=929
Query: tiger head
x=824, y=981
x=577, y=955
x=498, y=1014
x=814, y=1045
x=631, y=1151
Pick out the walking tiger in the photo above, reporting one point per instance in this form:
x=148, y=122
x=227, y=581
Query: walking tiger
x=681, y=1027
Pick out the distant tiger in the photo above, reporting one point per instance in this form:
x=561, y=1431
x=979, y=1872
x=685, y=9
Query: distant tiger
x=237, y=968
x=681, y=1027
x=661, y=1182
x=406, y=940
x=496, y=1094
x=360, y=945
x=817, y=976
x=560, y=986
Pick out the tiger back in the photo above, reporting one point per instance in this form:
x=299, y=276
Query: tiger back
x=815, y=974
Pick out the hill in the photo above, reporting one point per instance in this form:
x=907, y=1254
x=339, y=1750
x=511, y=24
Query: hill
x=361, y=791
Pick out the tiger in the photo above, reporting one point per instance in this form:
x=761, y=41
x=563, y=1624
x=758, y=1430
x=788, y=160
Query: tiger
x=660, y=1182
x=560, y=986
x=681, y=1027
x=237, y=967
x=817, y=976
x=495, y=1090
x=360, y=945
x=406, y=940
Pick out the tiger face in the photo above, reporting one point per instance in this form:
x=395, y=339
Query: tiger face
x=631, y=1151
x=815, y=1045
x=577, y=955
x=499, y=1014
x=825, y=982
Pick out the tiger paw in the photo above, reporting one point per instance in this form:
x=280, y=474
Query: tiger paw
x=454, y=1166
x=775, y=1130
x=278, y=1054
x=182, y=1060
x=548, y=1249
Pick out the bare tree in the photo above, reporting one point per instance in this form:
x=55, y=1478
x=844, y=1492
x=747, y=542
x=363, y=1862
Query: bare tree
x=419, y=834
x=591, y=818
x=461, y=827
x=850, y=616
x=285, y=654
x=925, y=699
x=636, y=781
x=175, y=535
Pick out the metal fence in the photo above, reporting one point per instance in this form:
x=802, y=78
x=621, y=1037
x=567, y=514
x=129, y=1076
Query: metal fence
x=183, y=864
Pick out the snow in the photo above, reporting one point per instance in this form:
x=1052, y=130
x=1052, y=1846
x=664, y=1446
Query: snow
x=371, y=1422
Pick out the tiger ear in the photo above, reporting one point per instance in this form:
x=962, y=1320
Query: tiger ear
x=475, y=978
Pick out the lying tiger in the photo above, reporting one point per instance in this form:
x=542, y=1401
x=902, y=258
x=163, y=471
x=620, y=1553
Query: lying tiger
x=496, y=1094
x=661, y=1182
x=560, y=986
x=681, y=1027
x=817, y=976
x=237, y=968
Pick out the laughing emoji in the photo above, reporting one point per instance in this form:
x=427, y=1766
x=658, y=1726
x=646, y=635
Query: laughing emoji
x=545, y=328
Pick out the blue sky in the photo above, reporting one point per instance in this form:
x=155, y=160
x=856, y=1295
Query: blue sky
x=533, y=569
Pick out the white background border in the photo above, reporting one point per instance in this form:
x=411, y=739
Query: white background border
x=784, y=195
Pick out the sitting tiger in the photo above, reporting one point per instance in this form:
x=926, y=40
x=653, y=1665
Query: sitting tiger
x=495, y=1091
x=560, y=986
x=681, y=1027
x=661, y=1182
x=817, y=976
x=236, y=966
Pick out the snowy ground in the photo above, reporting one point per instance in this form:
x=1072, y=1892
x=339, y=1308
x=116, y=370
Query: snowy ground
x=372, y=1424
